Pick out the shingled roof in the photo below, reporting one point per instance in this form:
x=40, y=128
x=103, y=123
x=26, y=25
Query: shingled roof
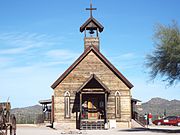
x=93, y=24
x=98, y=54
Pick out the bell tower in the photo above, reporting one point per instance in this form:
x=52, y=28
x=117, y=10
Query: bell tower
x=91, y=29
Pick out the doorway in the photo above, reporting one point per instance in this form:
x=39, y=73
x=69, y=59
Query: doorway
x=93, y=106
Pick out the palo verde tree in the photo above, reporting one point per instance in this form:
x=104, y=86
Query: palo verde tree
x=164, y=61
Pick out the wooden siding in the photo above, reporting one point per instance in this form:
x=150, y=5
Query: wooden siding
x=91, y=64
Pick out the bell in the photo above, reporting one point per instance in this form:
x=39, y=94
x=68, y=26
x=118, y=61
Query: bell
x=91, y=31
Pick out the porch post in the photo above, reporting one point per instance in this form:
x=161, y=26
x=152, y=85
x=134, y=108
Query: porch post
x=105, y=107
x=80, y=109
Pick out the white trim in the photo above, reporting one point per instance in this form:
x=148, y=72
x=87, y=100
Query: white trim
x=67, y=94
x=67, y=104
x=118, y=104
x=117, y=93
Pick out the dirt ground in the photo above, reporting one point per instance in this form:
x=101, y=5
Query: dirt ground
x=43, y=130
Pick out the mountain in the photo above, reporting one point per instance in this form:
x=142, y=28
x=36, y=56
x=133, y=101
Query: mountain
x=28, y=115
x=36, y=109
x=156, y=106
x=159, y=106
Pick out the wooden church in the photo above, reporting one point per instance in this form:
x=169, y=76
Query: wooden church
x=91, y=93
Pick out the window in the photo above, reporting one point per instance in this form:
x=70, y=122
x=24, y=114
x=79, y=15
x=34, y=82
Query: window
x=118, y=104
x=67, y=104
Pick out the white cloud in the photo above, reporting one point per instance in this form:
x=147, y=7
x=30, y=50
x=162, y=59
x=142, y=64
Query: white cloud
x=128, y=55
x=17, y=50
x=33, y=49
x=61, y=54
x=59, y=57
x=2, y=60
x=16, y=39
x=5, y=62
x=56, y=63
x=125, y=56
x=127, y=61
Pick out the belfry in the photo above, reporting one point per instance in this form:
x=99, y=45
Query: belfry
x=93, y=27
x=91, y=93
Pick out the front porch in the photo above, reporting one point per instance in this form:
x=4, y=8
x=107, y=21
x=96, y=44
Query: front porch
x=93, y=110
x=93, y=104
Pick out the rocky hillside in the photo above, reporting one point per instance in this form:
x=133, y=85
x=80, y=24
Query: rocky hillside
x=28, y=115
x=159, y=106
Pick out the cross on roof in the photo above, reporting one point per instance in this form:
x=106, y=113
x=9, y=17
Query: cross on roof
x=91, y=8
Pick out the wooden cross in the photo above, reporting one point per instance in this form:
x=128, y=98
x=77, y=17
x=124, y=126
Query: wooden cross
x=91, y=8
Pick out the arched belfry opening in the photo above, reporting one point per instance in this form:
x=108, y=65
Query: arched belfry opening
x=91, y=29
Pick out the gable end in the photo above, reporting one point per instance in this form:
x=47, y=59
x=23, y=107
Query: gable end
x=99, y=55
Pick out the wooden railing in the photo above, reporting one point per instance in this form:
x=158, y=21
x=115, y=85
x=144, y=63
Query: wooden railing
x=92, y=124
x=139, y=119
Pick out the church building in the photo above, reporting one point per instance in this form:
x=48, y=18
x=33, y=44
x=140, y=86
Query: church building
x=91, y=93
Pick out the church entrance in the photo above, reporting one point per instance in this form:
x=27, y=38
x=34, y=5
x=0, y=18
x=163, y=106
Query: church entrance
x=93, y=112
x=93, y=103
x=93, y=106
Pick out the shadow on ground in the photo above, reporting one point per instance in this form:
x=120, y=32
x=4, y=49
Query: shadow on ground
x=50, y=126
x=152, y=130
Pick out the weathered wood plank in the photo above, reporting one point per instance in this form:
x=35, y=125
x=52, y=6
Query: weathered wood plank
x=91, y=64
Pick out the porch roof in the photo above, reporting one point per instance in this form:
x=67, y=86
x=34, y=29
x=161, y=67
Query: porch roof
x=47, y=101
x=93, y=76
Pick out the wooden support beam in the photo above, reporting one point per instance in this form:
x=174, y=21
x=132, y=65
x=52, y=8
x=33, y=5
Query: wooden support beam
x=52, y=112
x=105, y=107
x=80, y=108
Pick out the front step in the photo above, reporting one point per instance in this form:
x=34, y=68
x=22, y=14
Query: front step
x=92, y=125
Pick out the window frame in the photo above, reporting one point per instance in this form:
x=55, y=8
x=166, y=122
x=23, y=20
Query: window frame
x=117, y=104
x=67, y=107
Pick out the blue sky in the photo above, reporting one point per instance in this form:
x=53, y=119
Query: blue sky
x=40, y=39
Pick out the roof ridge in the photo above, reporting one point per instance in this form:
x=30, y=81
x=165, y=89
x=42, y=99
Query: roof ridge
x=90, y=19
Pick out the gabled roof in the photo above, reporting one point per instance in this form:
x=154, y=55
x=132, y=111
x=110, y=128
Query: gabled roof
x=98, y=54
x=135, y=100
x=93, y=76
x=94, y=24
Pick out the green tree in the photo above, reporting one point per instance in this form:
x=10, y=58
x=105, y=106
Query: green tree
x=164, y=61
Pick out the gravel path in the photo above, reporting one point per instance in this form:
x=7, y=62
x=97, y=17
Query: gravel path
x=42, y=130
